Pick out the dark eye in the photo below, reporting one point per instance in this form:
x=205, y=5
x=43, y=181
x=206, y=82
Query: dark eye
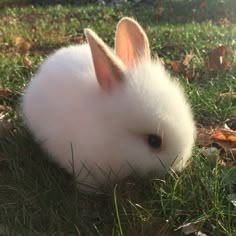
x=154, y=141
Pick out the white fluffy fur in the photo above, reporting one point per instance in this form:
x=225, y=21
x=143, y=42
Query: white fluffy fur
x=68, y=112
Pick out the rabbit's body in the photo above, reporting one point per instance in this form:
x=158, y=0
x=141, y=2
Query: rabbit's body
x=100, y=128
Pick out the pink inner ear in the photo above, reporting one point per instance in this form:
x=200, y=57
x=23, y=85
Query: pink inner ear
x=125, y=50
x=108, y=67
x=102, y=70
x=131, y=42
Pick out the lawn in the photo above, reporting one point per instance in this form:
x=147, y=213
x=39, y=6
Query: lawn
x=197, y=44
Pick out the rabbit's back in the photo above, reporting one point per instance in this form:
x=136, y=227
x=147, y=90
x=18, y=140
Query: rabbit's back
x=56, y=102
x=72, y=63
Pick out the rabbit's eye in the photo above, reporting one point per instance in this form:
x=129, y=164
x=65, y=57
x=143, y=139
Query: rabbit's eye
x=154, y=141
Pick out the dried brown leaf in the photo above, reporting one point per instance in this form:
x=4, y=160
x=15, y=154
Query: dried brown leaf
x=54, y=34
x=27, y=62
x=215, y=59
x=190, y=74
x=220, y=138
x=218, y=135
x=232, y=138
x=228, y=94
x=4, y=108
x=33, y=28
x=224, y=21
x=224, y=135
x=203, y=4
x=5, y=92
x=203, y=136
x=158, y=11
x=22, y=44
x=177, y=66
x=187, y=58
x=226, y=65
x=218, y=51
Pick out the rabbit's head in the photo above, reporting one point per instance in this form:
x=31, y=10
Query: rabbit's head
x=145, y=114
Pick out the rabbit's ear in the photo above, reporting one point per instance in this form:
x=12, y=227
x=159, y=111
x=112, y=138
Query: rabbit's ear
x=108, y=67
x=131, y=42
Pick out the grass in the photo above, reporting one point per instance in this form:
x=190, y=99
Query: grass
x=38, y=198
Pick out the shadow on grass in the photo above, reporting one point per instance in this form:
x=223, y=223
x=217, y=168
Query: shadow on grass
x=37, y=196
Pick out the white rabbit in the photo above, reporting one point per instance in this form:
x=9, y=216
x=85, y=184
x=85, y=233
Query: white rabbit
x=102, y=114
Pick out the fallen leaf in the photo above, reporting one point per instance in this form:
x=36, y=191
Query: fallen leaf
x=54, y=34
x=229, y=94
x=5, y=92
x=203, y=136
x=226, y=65
x=218, y=135
x=222, y=139
x=4, y=108
x=203, y=4
x=215, y=59
x=27, y=62
x=22, y=44
x=33, y=28
x=219, y=51
x=190, y=74
x=188, y=58
x=224, y=21
x=232, y=138
x=158, y=11
x=177, y=66
x=224, y=135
